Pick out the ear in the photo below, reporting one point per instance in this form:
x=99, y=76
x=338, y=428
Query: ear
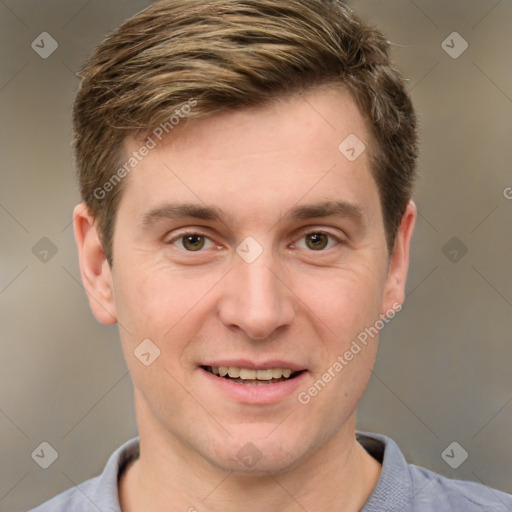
x=399, y=261
x=94, y=267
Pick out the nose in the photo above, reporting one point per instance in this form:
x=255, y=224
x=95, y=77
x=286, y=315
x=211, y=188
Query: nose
x=256, y=299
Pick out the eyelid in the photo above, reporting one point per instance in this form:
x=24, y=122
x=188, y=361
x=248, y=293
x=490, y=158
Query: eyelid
x=298, y=235
x=335, y=241
x=189, y=232
x=307, y=230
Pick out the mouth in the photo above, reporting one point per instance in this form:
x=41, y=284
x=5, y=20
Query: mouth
x=252, y=377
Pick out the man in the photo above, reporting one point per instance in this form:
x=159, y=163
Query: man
x=246, y=169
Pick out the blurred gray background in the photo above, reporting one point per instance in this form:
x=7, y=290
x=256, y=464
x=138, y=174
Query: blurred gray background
x=444, y=369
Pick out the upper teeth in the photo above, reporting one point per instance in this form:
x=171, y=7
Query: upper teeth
x=246, y=374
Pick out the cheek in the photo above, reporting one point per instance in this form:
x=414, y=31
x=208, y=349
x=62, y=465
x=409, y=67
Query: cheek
x=157, y=302
x=344, y=301
x=345, y=306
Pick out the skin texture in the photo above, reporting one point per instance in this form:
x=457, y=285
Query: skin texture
x=293, y=304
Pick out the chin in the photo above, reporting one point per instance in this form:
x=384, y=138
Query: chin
x=261, y=457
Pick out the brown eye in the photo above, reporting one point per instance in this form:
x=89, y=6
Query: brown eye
x=317, y=241
x=193, y=242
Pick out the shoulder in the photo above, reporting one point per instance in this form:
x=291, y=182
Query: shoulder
x=438, y=493
x=404, y=487
x=75, y=499
x=98, y=493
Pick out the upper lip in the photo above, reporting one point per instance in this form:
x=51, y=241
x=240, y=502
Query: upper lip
x=253, y=365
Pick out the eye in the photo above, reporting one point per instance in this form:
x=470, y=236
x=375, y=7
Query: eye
x=192, y=242
x=317, y=241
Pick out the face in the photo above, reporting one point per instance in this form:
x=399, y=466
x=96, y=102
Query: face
x=250, y=244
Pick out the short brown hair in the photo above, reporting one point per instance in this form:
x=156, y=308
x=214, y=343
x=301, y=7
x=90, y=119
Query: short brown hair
x=231, y=54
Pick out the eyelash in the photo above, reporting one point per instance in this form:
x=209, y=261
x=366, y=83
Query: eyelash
x=198, y=233
x=189, y=233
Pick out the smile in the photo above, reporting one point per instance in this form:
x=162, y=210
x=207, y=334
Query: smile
x=249, y=376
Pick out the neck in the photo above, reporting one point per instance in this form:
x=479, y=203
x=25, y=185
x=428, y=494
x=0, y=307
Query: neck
x=338, y=476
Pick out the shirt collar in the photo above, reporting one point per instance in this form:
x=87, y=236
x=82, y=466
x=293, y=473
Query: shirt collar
x=393, y=492
x=394, y=489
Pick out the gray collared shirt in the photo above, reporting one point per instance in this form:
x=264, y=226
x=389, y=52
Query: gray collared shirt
x=401, y=487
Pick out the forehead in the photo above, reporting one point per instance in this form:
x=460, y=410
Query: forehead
x=251, y=161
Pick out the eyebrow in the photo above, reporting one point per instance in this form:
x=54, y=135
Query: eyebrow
x=345, y=209
x=178, y=211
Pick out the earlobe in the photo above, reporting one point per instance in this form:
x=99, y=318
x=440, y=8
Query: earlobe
x=399, y=260
x=94, y=267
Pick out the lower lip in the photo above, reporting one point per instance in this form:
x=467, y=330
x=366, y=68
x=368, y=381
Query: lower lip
x=255, y=393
